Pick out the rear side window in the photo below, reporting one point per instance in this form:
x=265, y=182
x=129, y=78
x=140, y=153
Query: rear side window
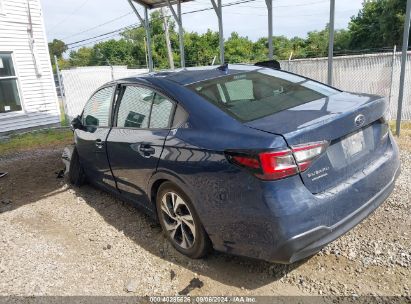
x=161, y=112
x=251, y=95
x=97, y=109
x=143, y=108
x=135, y=106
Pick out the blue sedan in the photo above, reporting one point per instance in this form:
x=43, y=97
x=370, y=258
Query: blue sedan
x=248, y=160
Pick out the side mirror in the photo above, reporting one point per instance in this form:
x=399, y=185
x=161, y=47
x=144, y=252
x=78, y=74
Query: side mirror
x=76, y=123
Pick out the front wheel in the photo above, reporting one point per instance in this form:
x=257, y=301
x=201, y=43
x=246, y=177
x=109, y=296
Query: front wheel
x=180, y=222
x=76, y=172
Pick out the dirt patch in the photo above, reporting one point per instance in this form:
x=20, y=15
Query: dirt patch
x=58, y=240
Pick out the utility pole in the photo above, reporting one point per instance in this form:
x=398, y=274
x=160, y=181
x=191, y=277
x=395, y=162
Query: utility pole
x=167, y=34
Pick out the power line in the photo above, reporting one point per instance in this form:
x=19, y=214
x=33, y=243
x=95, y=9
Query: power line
x=69, y=15
x=97, y=40
x=136, y=25
x=101, y=35
x=185, y=13
x=98, y=26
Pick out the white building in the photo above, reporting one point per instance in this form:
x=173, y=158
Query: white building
x=28, y=96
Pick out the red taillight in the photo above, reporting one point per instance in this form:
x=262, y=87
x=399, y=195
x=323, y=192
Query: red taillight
x=247, y=161
x=274, y=165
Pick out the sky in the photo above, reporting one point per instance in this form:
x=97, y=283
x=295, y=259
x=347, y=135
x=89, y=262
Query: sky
x=74, y=20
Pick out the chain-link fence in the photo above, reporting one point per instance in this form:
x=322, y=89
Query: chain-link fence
x=372, y=73
x=79, y=83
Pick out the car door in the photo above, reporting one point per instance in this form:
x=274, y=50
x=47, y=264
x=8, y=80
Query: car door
x=135, y=143
x=91, y=139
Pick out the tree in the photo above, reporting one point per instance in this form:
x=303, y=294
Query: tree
x=342, y=40
x=82, y=57
x=114, y=52
x=238, y=49
x=57, y=48
x=201, y=49
x=378, y=24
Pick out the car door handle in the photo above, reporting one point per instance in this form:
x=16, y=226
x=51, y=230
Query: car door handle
x=147, y=149
x=99, y=143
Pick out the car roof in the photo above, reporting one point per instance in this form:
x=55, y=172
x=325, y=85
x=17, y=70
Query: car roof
x=196, y=74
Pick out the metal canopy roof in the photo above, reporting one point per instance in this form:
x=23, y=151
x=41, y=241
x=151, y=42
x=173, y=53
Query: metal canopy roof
x=151, y=4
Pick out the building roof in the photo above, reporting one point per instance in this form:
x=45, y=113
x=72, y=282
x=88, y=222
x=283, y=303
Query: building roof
x=157, y=3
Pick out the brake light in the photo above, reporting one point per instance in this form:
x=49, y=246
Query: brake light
x=247, y=161
x=272, y=165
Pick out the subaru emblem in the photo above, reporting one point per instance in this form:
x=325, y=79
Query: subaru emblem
x=359, y=120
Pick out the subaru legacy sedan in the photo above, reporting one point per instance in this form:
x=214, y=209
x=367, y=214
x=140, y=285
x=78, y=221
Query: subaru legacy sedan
x=248, y=160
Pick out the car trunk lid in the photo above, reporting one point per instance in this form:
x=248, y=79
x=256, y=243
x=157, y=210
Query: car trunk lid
x=349, y=122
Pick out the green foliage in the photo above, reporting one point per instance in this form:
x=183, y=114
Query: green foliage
x=201, y=49
x=378, y=24
x=57, y=48
x=83, y=57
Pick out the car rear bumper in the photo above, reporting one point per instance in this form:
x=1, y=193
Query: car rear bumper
x=310, y=242
x=291, y=223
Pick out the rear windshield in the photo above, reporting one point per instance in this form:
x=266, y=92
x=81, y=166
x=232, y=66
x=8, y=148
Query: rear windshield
x=251, y=95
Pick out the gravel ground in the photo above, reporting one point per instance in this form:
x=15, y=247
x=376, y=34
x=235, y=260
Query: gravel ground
x=59, y=240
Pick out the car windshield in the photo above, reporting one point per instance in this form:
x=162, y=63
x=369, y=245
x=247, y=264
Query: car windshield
x=251, y=95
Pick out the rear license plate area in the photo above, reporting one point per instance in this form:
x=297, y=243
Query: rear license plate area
x=353, y=144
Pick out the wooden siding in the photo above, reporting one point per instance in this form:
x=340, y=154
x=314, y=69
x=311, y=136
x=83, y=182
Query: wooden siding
x=37, y=93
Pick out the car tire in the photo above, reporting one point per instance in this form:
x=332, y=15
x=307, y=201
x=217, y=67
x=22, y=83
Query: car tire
x=180, y=221
x=76, y=172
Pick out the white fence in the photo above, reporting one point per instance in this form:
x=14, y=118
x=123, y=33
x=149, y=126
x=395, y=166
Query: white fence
x=80, y=83
x=374, y=73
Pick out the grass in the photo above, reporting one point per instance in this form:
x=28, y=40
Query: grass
x=36, y=139
x=404, y=141
x=63, y=117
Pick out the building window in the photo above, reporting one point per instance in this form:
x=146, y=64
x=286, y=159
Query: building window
x=9, y=94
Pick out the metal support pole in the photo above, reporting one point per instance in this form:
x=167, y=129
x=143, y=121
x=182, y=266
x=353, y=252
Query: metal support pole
x=179, y=20
x=58, y=75
x=181, y=35
x=61, y=87
x=269, y=4
x=405, y=38
x=145, y=23
x=218, y=10
x=331, y=43
x=147, y=27
x=394, y=51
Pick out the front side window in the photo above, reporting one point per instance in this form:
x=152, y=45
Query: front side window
x=143, y=108
x=251, y=95
x=9, y=94
x=97, y=110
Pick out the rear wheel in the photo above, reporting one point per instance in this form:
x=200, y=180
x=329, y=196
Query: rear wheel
x=180, y=222
x=76, y=172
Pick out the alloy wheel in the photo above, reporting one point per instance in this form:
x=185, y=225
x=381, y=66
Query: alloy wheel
x=178, y=220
